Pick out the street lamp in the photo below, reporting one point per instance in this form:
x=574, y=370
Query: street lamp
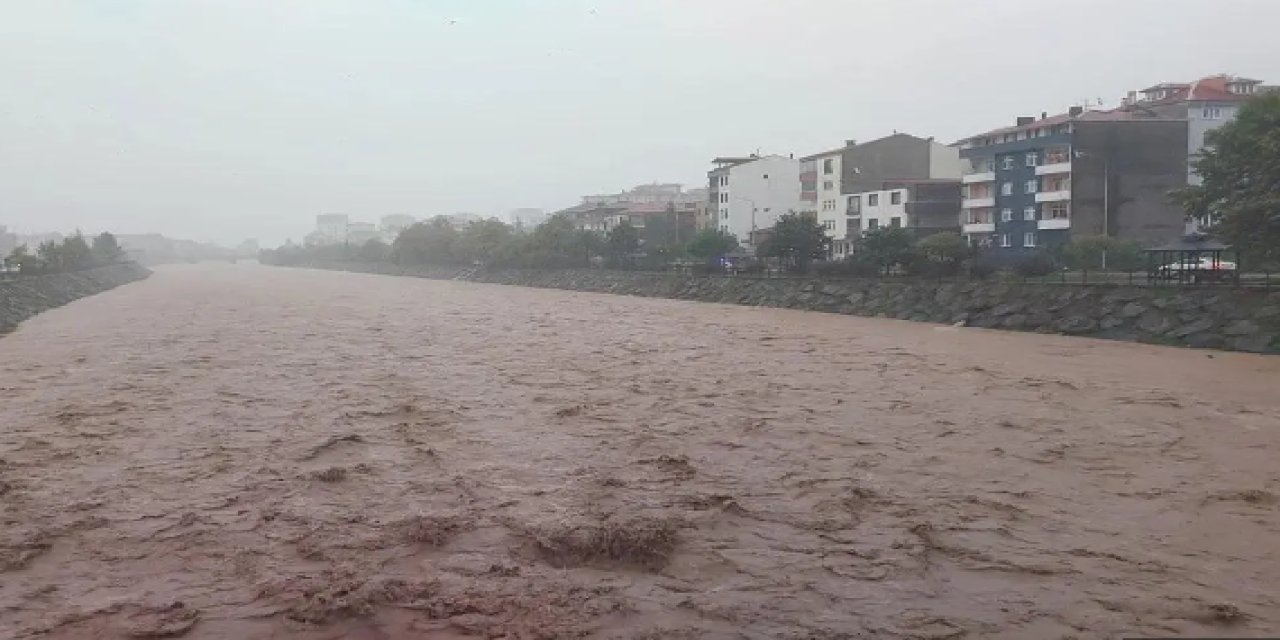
x=1106, y=197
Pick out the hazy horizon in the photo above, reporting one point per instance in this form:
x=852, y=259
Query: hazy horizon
x=237, y=119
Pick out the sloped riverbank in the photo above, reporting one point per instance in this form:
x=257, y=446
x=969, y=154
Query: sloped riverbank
x=23, y=298
x=1219, y=318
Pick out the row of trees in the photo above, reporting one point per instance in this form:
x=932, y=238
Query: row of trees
x=557, y=242
x=73, y=253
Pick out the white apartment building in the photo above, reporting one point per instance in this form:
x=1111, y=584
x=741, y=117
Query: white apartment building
x=753, y=192
x=820, y=195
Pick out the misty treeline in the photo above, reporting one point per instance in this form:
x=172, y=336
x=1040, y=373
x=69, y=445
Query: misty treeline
x=556, y=243
x=72, y=253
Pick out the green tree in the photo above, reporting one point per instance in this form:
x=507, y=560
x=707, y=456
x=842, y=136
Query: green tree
x=1240, y=167
x=884, y=248
x=623, y=240
x=431, y=242
x=106, y=249
x=1084, y=253
x=26, y=262
x=712, y=243
x=76, y=252
x=49, y=256
x=943, y=253
x=1093, y=253
x=374, y=250
x=484, y=240
x=797, y=241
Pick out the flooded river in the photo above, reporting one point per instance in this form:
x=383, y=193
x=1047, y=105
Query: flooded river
x=244, y=452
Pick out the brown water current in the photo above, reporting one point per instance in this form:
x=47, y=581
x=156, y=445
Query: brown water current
x=242, y=452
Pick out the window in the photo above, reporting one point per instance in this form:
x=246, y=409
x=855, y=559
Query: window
x=724, y=213
x=1004, y=240
x=1032, y=186
x=895, y=222
x=873, y=224
x=724, y=197
x=766, y=176
x=855, y=205
x=829, y=225
x=1029, y=214
x=828, y=167
x=1006, y=189
x=873, y=200
x=828, y=205
x=724, y=181
x=1006, y=215
x=1033, y=159
x=1211, y=113
x=895, y=197
x=1007, y=162
x=1058, y=211
x=828, y=185
x=1029, y=239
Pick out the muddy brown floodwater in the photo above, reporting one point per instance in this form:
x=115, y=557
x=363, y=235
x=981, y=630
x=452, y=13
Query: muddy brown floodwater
x=244, y=452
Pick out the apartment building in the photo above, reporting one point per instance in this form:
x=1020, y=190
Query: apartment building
x=1034, y=184
x=925, y=206
x=820, y=182
x=751, y=193
x=392, y=225
x=1206, y=104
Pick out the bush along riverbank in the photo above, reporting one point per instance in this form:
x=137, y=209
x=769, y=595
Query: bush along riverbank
x=24, y=297
x=1211, y=317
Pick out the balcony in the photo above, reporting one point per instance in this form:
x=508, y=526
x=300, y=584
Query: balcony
x=978, y=227
x=1054, y=223
x=978, y=203
x=1054, y=196
x=1055, y=168
x=979, y=177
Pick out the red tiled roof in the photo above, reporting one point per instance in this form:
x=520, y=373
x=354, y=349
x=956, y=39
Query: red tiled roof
x=1211, y=89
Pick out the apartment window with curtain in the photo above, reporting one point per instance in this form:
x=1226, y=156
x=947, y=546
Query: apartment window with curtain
x=1004, y=240
x=1033, y=159
x=1007, y=162
x=1006, y=215
x=1029, y=239
x=1006, y=189
x=1031, y=186
x=1029, y=214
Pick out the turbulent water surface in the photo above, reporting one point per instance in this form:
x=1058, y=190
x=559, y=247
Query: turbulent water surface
x=247, y=452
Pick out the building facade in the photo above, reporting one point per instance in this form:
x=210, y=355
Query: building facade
x=1033, y=185
x=1206, y=104
x=924, y=207
x=820, y=197
x=751, y=193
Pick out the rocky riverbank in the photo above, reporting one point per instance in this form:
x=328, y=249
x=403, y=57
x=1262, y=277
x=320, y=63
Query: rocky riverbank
x=25, y=297
x=1234, y=319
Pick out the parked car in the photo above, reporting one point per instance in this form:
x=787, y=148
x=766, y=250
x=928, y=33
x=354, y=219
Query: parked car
x=1203, y=268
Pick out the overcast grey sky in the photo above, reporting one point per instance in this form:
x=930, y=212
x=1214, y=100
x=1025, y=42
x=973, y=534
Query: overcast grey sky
x=225, y=119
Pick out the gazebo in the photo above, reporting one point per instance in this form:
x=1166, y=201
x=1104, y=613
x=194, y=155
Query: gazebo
x=1191, y=259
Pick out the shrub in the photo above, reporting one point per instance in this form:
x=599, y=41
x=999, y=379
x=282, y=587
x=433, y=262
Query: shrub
x=1035, y=265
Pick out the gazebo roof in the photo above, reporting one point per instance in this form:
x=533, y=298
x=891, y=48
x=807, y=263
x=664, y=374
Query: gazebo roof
x=1196, y=242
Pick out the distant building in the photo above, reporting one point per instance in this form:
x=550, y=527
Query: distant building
x=527, y=219
x=751, y=193
x=393, y=224
x=1206, y=104
x=359, y=233
x=462, y=220
x=665, y=214
x=8, y=241
x=1039, y=182
x=331, y=228
x=837, y=186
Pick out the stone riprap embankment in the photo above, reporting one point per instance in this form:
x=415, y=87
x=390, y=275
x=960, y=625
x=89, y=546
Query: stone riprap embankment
x=24, y=297
x=1207, y=317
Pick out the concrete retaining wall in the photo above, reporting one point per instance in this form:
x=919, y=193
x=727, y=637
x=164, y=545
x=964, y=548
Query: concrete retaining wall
x=25, y=297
